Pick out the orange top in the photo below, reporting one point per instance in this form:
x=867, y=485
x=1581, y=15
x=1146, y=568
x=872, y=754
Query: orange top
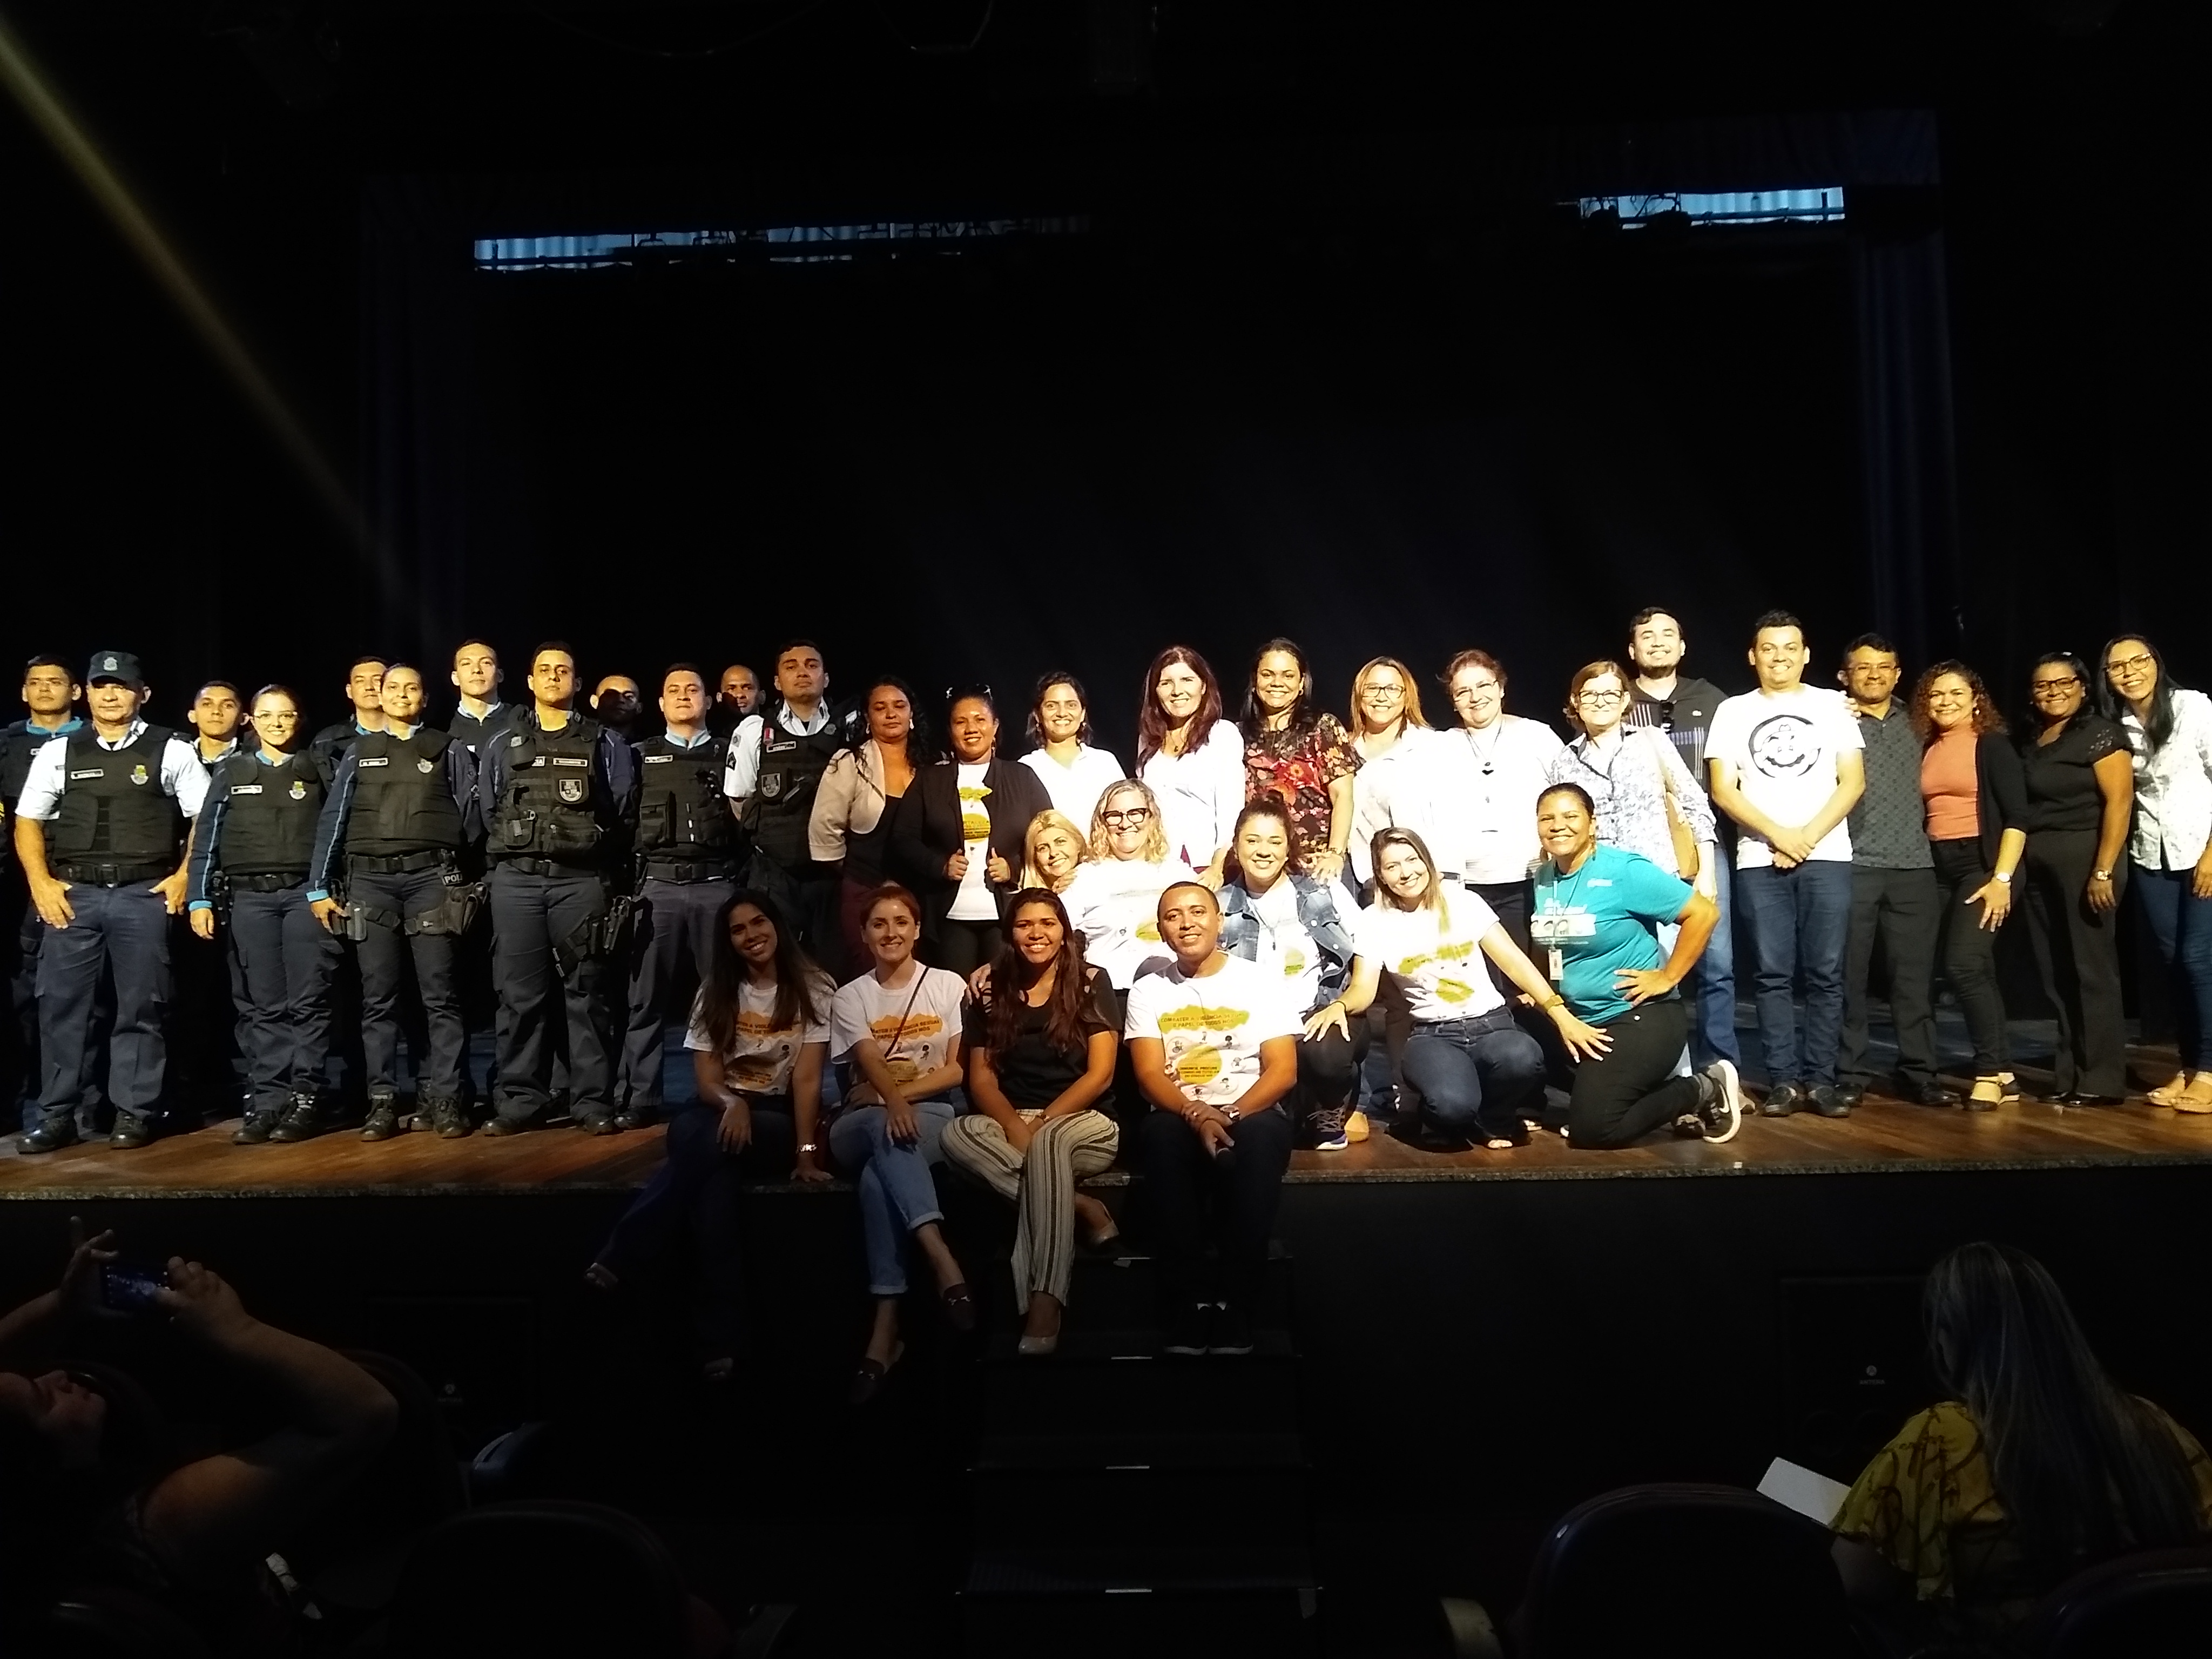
x=1950, y=786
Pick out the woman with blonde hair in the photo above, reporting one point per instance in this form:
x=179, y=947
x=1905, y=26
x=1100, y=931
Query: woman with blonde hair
x=1115, y=896
x=1401, y=774
x=1054, y=850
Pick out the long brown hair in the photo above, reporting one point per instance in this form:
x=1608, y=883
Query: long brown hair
x=1071, y=988
x=798, y=981
x=1152, y=720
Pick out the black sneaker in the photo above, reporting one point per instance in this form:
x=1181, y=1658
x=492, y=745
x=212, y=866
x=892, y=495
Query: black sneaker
x=131, y=1131
x=383, y=1122
x=1720, y=1110
x=1783, y=1099
x=450, y=1119
x=1828, y=1102
x=259, y=1123
x=1232, y=1331
x=304, y=1119
x=48, y=1137
x=1186, y=1334
x=1326, y=1125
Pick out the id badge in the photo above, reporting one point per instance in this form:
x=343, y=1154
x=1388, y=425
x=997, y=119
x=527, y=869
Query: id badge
x=1557, y=964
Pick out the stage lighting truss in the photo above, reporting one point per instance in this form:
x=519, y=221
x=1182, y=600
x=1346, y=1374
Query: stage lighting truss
x=1821, y=205
x=773, y=245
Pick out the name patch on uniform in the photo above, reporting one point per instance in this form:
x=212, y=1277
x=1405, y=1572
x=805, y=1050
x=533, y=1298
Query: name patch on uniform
x=570, y=760
x=94, y=772
x=245, y=789
x=374, y=760
x=658, y=760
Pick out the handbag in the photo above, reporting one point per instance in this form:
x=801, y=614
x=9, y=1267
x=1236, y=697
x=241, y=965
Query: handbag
x=1686, y=859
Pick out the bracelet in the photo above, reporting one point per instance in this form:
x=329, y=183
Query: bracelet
x=1232, y=1114
x=2100, y=875
x=808, y=1146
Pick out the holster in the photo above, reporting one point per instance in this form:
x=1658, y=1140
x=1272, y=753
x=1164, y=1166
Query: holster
x=218, y=892
x=462, y=901
x=360, y=918
x=596, y=937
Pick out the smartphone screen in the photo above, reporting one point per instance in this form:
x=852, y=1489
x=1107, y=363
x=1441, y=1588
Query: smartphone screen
x=128, y=1289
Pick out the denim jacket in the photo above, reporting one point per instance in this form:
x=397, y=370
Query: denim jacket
x=1240, y=929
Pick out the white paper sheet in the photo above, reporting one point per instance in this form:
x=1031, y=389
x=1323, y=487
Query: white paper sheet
x=1796, y=1487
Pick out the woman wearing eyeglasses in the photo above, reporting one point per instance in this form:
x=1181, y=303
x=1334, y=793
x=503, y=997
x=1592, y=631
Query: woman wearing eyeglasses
x=1114, y=898
x=1193, y=759
x=2170, y=729
x=1498, y=764
x=2080, y=782
x=1299, y=756
x=1400, y=779
x=958, y=839
x=1632, y=776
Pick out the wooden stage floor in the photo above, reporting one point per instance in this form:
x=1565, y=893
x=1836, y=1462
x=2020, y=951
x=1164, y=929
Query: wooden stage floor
x=1882, y=1136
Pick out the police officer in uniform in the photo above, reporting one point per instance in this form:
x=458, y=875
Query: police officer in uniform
x=480, y=718
x=477, y=677
x=687, y=849
x=250, y=850
x=100, y=832
x=208, y=1021
x=49, y=695
x=559, y=795
x=402, y=808
x=776, y=760
x=364, y=687
x=739, y=697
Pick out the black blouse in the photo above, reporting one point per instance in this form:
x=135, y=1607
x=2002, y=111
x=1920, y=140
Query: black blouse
x=1032, y=1073
x=2061, y=775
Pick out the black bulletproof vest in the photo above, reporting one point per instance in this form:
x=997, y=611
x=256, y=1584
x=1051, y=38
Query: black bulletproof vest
x=681, y=811
x=401, y=802
x=548, y=805
x=113, y=804
x=791, y=767
x=268, y=813
x=19, y=741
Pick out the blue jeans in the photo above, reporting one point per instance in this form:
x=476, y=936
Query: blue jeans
x=1801, y=923
x=2181, y=923
x=1476, y=1076
x=1711, y=989
x=897, y=1193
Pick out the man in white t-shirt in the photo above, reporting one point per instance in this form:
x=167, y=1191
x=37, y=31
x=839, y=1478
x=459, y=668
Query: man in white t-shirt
x=1214, y=1044
x=1787, y=766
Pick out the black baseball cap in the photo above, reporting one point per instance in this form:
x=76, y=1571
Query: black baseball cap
x=114, y=665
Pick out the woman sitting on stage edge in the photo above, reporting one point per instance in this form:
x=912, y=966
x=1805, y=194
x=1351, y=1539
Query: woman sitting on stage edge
x=1478, y=1073
x=759, y=1034
x=2036, y=1467
x=898, y=1027
x=1597, y=917
x=1041, y=1075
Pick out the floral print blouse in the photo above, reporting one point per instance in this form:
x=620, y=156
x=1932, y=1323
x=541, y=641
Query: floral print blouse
x=1297, y=766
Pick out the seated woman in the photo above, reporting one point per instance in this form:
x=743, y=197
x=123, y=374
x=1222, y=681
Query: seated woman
x=898, y=1027
x=759, y=1034
x=2036, y=1467
x=192, y=1537
x=959, y=843
x=1598, y=913
x=1114, y=897
x=856, y=804
x=1477, y=1072
x=1288, y=923
x=1053, y=851
x=1041, y=1058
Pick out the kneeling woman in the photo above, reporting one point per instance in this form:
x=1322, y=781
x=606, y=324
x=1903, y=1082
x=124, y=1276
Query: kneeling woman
x=1478, y=1073
x=1597, y=914
x=1041, y=1074
x=898, y=1027
x=759, y=1033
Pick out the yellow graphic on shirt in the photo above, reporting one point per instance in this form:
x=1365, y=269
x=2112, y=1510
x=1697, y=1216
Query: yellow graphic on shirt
x=1196, y=1068
x=974, y=826
x=1448, y=989
x=1149, y=932
x=1199, y=1017
x=891, y=1030
x=1294, y=963
x=758, y=1060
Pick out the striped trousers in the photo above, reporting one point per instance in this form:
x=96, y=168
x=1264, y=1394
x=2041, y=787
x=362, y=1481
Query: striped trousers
x=1040, y=1184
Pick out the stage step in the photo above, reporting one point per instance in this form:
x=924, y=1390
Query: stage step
x=1117, y=1291
x=1159, y=1595
x=1120, y=1377
x=1122, y=1485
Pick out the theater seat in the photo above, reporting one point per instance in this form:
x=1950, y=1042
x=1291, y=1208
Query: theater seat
x=2153, y=1605
x=540, y=1577
x=98, y=1622
x=1704, y=1572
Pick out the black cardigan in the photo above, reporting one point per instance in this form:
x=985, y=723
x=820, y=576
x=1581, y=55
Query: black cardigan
x=928, y=831
x=2000, y=791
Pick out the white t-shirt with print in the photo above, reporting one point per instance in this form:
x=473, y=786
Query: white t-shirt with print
x=1440, y=968
x=761, y=1054
x=1286, y=950
x=1211, y=1024
x=1115, y=903
x=1074, y=790
x=1783, y=747
x=916, y=1026
x=973, y=902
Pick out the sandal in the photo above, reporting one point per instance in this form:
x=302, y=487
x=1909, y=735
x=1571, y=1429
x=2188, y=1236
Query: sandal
x=868, y=1380
x=1104, y=1239
x=959, y=1307
x=1986, y=1096
x=2167, y=1094
x=2197, y=1098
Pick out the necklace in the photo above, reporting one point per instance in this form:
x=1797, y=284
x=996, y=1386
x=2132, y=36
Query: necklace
x=1488, y=757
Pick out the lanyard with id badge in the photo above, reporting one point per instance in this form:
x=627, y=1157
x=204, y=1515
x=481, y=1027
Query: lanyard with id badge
x=1553, y=926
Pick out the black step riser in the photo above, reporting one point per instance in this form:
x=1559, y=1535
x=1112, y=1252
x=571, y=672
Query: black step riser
x=1159, y=1626
x=1013, y=1508
x=1139, y=1396
x=1106, y=1294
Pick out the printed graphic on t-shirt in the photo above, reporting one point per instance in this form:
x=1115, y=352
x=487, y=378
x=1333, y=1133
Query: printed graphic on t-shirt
x=892, y=1029
x=1447, y=987
x=975, y=825
x=763, y=1053
x=1191, y=1037
x=1784, y=746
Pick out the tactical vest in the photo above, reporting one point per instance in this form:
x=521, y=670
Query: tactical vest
x=268, y=813
x=547, y=807
x=19, y=742
x=113, y=809
x=401, y=801
x=683, y=817
x=791, y=768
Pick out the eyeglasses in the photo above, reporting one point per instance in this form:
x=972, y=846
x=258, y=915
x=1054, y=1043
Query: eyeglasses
x=1599, y=696
x=1382, y=692
x=2130, y=665
x=2052, y=688
x=1131, y=818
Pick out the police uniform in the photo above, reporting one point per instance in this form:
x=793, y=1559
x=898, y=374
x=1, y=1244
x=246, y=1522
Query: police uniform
x=249, y=865
x=20, y=926
x=775, y=764
x=472, y=954
x=115, y=814
x=401, y=810
x=557, y=806
x=207, y=1017
x=687, y=847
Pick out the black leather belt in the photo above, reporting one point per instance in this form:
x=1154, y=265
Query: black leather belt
x=684, y=875
x=404, y=864
x=268, y=881
x=548, y=867
x=113, y=875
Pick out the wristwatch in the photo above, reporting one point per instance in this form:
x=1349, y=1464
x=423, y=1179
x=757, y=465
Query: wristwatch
x=1232, y=1114
x=2100, y=875
x=2000, y=875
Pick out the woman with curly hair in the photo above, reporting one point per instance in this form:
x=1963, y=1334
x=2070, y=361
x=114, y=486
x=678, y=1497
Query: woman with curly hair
x=1300, y=756
x=1976, y=798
